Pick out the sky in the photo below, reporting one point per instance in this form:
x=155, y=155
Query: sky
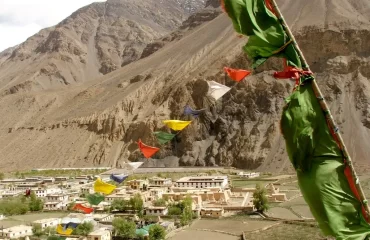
x=20, y=19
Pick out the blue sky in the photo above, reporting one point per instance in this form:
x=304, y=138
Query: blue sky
x=20, y=19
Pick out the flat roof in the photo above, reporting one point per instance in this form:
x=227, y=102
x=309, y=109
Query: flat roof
x=46, y=220
x=203, y=179
x=17, y=228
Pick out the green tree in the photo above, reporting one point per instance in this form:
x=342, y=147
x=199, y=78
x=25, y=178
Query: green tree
x=50, y=231
x=37, y=230
x=187, y=211
x=35, y=204
x=123, y=228
x=137, y=204
x=2, y=176
x=260, y=200
x=159, y=203
x=174, y=211
x=83, y=229
x=157, y=232
x=120, y=205
x=53, y=237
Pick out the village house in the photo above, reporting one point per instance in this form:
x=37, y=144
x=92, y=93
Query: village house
x=156, y=211
x=101, y=234
x=274, y=194
x=249, y=175
x=11, y=193
x=156, y=193
x=160, y=182
x=61, y=179
x=43, y=192
x=57, y=197
x=138, y=184
x=49, y=222
x=56, y=206
x=203, y=182
x=212, y=212
x=16, y=232
x=87, y=190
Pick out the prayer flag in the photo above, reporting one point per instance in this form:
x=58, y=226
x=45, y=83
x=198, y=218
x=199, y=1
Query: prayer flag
x=147, y=151
x=236, y=74
x=189, y=111
x=163, y=137
x=102, y=187
x=217, y=90
x=95, y=199
x=82, y=208
x=176, y=125
x=60, y=230
x=118, y=178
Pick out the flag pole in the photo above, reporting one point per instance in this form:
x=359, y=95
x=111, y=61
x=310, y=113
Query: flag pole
x=324, y=107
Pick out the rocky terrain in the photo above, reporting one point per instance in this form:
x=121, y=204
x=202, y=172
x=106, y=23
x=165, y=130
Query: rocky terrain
x=57, y=108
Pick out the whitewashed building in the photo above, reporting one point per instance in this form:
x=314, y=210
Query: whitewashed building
x=203, y=182
x=249, y=175
x=156, y=211
x=101, y=234
x=49, y=222
x=16, y=232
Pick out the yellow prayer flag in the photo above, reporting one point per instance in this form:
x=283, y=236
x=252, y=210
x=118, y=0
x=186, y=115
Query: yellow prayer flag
x=102, y=187
x=61, y=231
x=176, y=125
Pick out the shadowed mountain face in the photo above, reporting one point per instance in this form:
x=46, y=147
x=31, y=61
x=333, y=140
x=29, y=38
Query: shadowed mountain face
x=57, y=108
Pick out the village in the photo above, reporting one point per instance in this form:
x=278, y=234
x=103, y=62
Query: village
x=158, y=202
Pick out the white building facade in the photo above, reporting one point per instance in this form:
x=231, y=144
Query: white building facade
x=203, y=182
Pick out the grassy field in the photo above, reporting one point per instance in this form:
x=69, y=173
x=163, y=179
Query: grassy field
x=238, y=183
x=230, y=226
x=283, y=213
x=303, y=210
x=28, y=218
x=202, y=235
x=288, y=232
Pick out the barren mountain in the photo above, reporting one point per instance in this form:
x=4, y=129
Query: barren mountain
x=98, y=122
x=93, y=41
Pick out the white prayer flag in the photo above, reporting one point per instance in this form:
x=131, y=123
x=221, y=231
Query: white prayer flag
x=217, y=90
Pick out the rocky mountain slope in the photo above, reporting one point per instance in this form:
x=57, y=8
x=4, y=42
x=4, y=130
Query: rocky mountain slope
x=98, y=122
x=93, y=41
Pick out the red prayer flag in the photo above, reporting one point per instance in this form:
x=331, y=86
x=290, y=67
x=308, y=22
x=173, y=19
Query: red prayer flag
x=147, y=150
x=83, y=208
x=236, y=74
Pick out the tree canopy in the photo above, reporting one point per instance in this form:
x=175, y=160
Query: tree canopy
x=83, y=229
x=157, y=232
x=260, y=200
x=123, y=228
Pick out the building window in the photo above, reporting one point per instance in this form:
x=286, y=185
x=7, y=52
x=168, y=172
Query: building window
x=96, y=238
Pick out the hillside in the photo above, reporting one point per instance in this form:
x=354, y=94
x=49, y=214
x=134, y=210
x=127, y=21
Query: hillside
x=97, y=122
x=93, y=41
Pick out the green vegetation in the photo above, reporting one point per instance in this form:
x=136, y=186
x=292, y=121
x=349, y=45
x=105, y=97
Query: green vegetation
x=39, y=232
x=83, y=229
x=53, y=237
x=160, y=203
x=123, y=228
x=288, y=231
x=35, y=204
x=2, y=176
x=174, y=211
x=157, y=232
x=187, y=212
x=58, y=173
x=135, y=203
x=260, y=200
x=13, y=206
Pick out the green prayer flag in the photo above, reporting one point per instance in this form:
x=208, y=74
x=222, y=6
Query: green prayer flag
x=323, y=175
x=266, y=35
x=95, y=199
x=164, y=137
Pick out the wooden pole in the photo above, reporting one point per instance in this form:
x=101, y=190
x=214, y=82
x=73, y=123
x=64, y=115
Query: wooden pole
x=324, y=107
